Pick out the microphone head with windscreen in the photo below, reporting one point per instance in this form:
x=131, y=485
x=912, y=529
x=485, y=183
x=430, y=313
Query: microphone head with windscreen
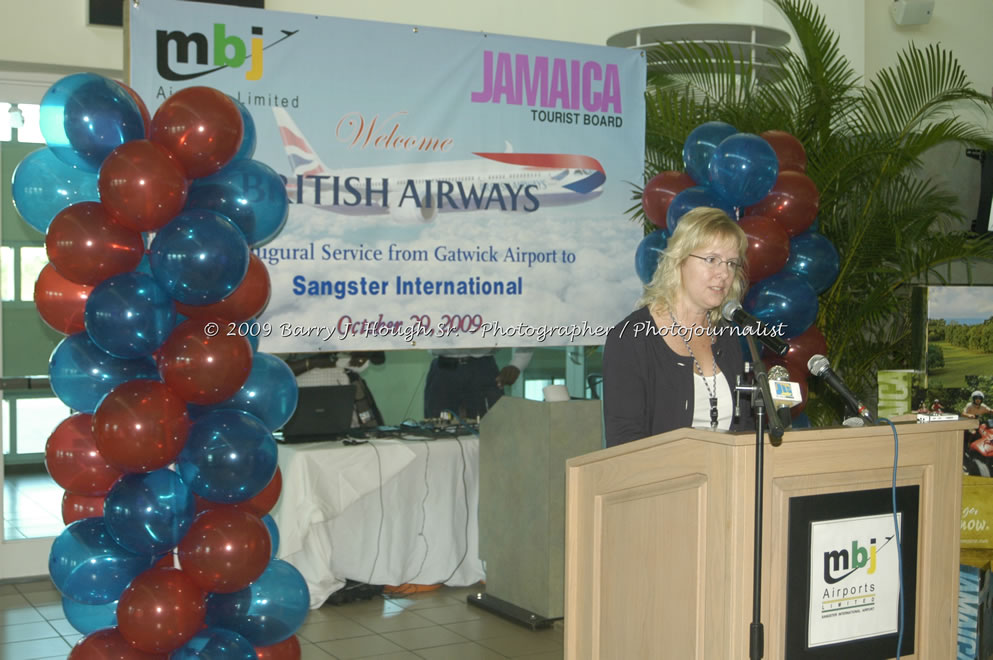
x=778, y=372
x=817, y=364
x=730, y=307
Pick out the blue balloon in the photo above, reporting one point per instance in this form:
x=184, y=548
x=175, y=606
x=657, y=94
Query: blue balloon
x=646, y=257
x=87, y=565
x=81, y=373
x=42, y=185
x=270, y=524
x=268, y=610
x=144, y=266
x=129, y=315
x=783, y=298
x=690, y=199
x=230, y=456
x=89, y=618
x=199, y=258
x=700, y=146
x=253, y=338
x=802, y=421
x=270, y=393
x=249, y=193
x=149, y=513
x=215, y=644
x=814, y=258
x=248, y=139
x=86, y=116
x=743, y=169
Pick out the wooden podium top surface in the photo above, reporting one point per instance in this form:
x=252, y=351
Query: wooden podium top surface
x=906, y=425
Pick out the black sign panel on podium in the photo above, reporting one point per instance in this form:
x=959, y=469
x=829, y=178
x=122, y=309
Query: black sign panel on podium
x=845, y=571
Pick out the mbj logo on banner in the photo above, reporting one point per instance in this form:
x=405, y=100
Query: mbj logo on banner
x=854, y=580
x=228, y=51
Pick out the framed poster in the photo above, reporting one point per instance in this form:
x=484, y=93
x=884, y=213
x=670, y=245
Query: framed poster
x=845, y=571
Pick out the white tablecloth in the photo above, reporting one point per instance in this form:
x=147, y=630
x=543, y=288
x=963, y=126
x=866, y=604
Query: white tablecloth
x=385, y=512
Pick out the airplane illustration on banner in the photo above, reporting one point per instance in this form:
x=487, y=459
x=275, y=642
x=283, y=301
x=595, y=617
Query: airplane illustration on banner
x=508, y=181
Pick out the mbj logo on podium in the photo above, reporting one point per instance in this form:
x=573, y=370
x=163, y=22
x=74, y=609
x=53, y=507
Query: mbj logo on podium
x=846, y=563
x=854, y=579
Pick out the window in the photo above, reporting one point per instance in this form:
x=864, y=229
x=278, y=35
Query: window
x=33, y=259
x=25, y=118
x=5, y=419
x=31, y=131
x=533, y=387
x=27, y=419
x=5, y=121
x=6, y=272
x=37, y=417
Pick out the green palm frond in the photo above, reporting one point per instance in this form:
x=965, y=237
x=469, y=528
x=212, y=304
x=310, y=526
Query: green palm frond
x=707, y=71
x=909, y=95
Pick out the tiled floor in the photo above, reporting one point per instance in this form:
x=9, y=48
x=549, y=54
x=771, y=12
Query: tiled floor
x=437, y=625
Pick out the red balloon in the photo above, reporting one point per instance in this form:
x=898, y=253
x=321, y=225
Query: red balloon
x=60, y=303
x=142, y=185
x=76, y=507
x=73, y=461
x=201, y=366
x=140, y=426
x=792, y=202
x=225, y=550
x=201, y=126
x=146, y=117
x=288, y=649
x=798, y=408
x=768, y=246
x=658, y=194
x=789, y=151
x=804, y=346
x=108, y=644
x=260, y=505
x=160, y=610
x=86, y=246
x=245, y=302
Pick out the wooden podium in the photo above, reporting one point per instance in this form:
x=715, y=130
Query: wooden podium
x=659, y=536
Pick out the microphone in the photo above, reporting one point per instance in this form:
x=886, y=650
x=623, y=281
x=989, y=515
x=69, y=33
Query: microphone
x=820, y=367
x=785, y=394
x=733, y=311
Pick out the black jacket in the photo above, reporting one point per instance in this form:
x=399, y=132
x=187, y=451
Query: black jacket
x=648, y=389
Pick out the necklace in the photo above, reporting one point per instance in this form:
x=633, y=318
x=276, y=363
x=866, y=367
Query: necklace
x=711, y=392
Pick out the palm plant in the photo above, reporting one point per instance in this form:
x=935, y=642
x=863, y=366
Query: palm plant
x=865, y=142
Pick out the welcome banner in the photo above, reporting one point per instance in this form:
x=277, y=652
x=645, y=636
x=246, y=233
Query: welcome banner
x=446, y=188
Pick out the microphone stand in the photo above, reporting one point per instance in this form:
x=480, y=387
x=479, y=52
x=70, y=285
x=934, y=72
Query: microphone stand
x=761, y=396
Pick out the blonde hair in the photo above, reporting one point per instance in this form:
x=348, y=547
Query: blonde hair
x=700, y=227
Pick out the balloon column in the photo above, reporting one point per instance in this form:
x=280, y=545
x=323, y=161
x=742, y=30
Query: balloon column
x=169, y=465
x=760, y=181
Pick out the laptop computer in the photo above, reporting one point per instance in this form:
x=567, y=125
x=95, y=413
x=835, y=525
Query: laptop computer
x=324, y=412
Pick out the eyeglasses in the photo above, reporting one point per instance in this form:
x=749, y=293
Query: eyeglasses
x=714, y=262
